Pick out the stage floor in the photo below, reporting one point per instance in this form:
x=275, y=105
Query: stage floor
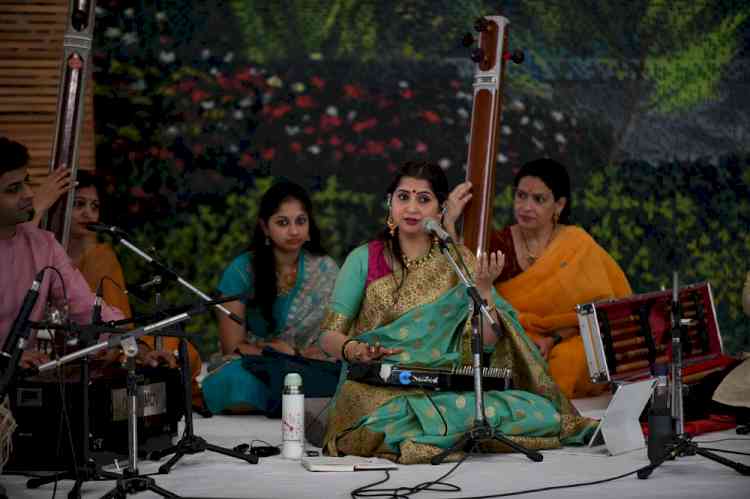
x=214, y=475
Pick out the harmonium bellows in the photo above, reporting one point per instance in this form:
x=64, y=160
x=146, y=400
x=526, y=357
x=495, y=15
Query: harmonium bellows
x=624, y=338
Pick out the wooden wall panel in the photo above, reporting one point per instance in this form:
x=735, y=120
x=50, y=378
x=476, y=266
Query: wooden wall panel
x=31, y=48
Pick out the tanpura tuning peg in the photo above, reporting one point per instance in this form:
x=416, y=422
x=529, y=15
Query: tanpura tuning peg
x=477, y=55
x=480, y=24
x=468, y=40
x=516, y=56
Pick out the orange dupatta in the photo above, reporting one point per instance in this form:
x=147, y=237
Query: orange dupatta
x=573, y=269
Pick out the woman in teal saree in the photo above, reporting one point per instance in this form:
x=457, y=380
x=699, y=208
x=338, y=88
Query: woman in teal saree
x=285, y=280
x=398, y=300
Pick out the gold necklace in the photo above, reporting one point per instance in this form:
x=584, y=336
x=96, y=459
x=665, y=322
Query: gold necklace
x=531, y=257
x=285, y=282
x=419, y=261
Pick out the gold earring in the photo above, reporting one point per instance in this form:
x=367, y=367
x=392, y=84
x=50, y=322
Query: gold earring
x=391, y=225
x=555, y=218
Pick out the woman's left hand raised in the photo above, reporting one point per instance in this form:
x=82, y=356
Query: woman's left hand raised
x=489, y=266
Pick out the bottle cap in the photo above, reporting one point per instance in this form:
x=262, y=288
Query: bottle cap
x=293, y=379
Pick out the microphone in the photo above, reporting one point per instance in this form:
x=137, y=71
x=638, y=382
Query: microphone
x=155, y=281
x=110, y=229
x=85, y=338
x=96, y=315
x=23, y=313
x=433, y=227
x=15, y=342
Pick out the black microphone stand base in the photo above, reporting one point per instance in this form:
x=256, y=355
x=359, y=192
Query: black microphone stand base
x=483, y=432
x=193, y=444
x=130, y=483
x=190, y=443
x=682, y=445
x=89, y=472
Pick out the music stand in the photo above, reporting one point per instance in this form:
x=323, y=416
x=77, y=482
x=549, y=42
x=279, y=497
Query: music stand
x=480, y=430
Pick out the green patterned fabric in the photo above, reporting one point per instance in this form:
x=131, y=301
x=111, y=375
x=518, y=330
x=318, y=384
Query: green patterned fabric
x=431, y=336
x=430, y=321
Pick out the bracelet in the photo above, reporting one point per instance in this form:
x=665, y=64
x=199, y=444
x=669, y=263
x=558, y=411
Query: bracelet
x=343, y=349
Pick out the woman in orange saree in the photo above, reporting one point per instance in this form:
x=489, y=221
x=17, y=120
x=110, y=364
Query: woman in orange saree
x=550, y=267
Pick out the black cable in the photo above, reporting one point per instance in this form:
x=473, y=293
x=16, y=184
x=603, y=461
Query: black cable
x=107, y=278
x=553, y=487
x=426, y=392
x=66, y=418
x=127, y=293
x=317, y=416
x=61, y=383
x=727, y=451
x=721, y=440
x=437, y=409
x=405, y=492
x=250, y=447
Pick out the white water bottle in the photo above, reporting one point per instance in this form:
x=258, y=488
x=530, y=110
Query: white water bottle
x=292, y=417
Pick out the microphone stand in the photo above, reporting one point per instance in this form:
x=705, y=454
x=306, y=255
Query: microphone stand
x=86, y=469
x=166, y=273
x=130, y=482
x=681, y=444
x=481, y=429
x=190, y=443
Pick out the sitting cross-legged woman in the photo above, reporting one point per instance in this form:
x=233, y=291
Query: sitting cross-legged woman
x=398, y=300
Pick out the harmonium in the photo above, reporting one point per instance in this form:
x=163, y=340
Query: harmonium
x=48, y=409
x=625, y=338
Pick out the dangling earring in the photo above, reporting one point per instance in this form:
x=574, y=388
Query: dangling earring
x=555, y=218
x=391, y=225
x=268, y=241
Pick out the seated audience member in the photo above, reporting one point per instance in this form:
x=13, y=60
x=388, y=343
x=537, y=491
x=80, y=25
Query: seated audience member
x=287, y=280
x=550, y=267
x=97, y=260
x=398, y=300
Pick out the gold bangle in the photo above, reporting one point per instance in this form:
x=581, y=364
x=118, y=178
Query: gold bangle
x=343, y=348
